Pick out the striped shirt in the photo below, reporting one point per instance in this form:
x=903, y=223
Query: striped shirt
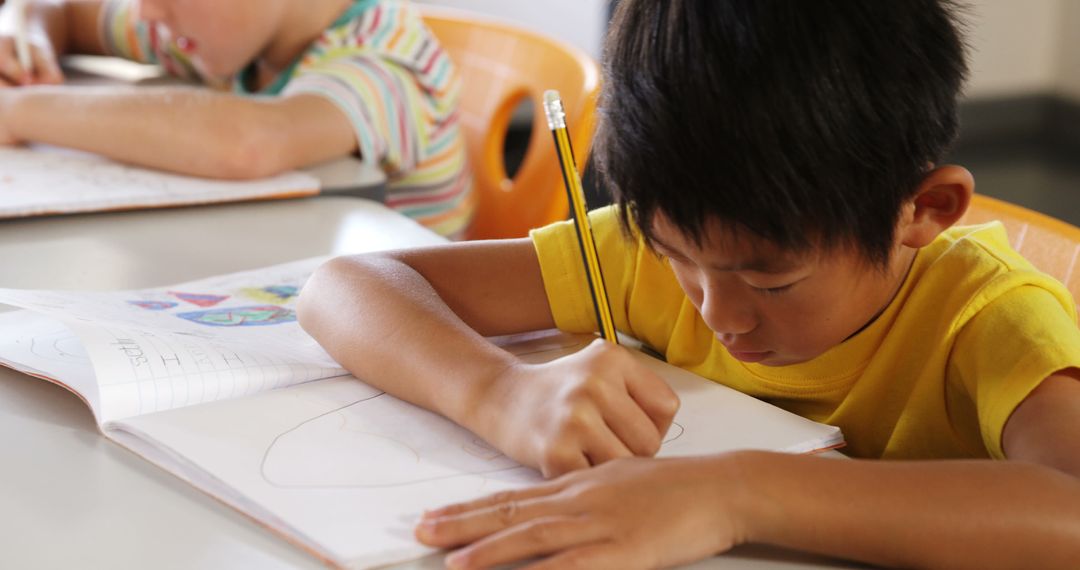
x=382, y=67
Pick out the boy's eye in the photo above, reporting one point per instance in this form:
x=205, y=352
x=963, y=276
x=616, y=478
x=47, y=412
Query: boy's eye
x=671, y=258
x=774, y=290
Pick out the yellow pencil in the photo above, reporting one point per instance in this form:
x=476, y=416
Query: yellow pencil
x=556, y=118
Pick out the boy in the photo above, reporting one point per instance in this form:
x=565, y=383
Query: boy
x=790, y=234
x=311, y=80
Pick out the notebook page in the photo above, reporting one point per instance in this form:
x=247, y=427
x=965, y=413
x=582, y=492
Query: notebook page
x=345, y=470
x=747, y=423
x=41, y=180
x=197, y=342
x=41, y=346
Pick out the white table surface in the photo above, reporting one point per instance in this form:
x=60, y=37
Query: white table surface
x=71, y=499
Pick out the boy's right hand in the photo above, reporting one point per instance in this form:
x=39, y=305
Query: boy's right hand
x=45, y=68
x=584, y=409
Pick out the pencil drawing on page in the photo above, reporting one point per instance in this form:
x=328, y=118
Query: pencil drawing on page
x=379, y=441
x=59, y=346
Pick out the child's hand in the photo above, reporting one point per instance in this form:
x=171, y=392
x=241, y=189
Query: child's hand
x=45, y=69
x=585, y=409
x=6, y=138
x=636, y=513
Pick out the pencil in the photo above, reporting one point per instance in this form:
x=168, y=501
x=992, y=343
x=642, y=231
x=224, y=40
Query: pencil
x=22, y=44
x=556, y=118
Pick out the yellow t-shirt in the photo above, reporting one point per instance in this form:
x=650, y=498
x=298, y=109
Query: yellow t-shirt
x=972, y=331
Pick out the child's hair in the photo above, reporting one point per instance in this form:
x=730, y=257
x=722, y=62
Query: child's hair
x=805, y=123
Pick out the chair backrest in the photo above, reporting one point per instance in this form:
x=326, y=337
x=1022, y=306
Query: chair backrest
x=500, y=66
x=1048, y=243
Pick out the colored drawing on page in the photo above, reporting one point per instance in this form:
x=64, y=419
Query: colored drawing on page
x=154, y=305
x=202, y=300
x=272, y=294
x=241, y=316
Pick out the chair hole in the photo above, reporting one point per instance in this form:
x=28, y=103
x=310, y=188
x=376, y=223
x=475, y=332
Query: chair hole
x=518, y=133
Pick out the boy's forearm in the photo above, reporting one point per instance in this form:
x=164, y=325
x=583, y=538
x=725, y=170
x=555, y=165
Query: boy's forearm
x=386, y=324
x=978, y=514
x=187, y=130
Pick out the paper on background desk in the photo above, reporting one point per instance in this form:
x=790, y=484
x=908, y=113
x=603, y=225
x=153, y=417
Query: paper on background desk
x=42, y=180
x=332, y=464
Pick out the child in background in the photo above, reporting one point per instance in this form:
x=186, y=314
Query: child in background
x=783, y=225
x=310, y=80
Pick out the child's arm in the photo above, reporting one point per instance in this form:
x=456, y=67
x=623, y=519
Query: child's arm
x=186, y=130
x=1022, y=513
x=411, y=323
x=54, y=27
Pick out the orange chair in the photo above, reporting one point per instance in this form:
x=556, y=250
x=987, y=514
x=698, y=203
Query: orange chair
x=1050, y=244
x=500, y=66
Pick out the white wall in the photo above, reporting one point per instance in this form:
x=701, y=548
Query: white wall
x=1018, y=47
x=1014, y=46
x=577, y=22
x=1069, y=56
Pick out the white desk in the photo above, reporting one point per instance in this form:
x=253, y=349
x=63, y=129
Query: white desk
x=347, y=176
x=71, y=499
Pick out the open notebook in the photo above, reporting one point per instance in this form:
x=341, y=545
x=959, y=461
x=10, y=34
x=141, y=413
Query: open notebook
x=215, y=382
x=41, y=180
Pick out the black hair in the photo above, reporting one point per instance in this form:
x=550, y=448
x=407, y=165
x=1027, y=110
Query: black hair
x=807, y=123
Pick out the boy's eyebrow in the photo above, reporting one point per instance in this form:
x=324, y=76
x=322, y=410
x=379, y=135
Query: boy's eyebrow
x=776, y=264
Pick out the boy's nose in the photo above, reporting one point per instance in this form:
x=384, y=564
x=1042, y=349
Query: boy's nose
x=726, y=315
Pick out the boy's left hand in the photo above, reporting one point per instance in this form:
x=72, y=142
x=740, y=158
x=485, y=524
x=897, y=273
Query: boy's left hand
x=627, y=513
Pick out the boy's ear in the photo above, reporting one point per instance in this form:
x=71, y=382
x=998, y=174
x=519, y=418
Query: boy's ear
x=940, y=201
